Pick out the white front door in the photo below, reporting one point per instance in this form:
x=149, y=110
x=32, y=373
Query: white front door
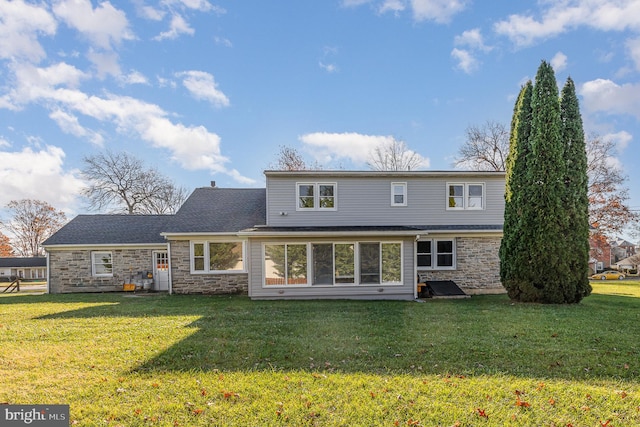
x=161, y=270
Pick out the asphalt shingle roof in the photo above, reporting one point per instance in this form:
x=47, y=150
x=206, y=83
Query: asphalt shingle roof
x=18, y=262
x=111, y=229
x=207, y=210
x=379, y=228
x=220, y=210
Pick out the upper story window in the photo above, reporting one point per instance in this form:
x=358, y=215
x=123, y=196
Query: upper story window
x=102, y=264
x=465, y=196
x=218, y=257
x=316, y=195
x=398, y=194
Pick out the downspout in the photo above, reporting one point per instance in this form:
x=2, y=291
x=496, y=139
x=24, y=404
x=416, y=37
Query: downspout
x=415, y=267
x=46, y=254
x=169, y=266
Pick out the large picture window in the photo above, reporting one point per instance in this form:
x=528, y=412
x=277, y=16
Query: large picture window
x=436, y=254
x=465, y=196
x=316, y=196
x=102, y=264
x=285, y=264
x=217, y=257
x=332, y=264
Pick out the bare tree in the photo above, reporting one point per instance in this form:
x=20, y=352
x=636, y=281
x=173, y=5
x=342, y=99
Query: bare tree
x=120, y=181
x=486, y=147
x=394, y=155
x=31, y=223
x=289, y=159
x=608, y=194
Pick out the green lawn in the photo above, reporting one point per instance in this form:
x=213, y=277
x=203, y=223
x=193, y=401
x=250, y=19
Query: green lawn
x=124, y=360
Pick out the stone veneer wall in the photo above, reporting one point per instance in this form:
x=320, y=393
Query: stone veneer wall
x=212, y=284
x=70, y=271
x=477, y=266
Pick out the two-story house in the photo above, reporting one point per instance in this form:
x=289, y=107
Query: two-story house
x=308, y=234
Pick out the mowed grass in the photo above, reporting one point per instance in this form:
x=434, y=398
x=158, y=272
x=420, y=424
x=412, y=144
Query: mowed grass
x=124, y=360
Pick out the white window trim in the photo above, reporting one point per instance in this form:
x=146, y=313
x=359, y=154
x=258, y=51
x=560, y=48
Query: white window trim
x=93, y=264
x=285, y=286
x=316, y=196
x=465, y=196
x=434, y=255
x=206, y=270
x=356, y=283
x=404, y=193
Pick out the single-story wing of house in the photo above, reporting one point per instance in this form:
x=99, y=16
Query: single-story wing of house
x=308, y=234
x=23, y=267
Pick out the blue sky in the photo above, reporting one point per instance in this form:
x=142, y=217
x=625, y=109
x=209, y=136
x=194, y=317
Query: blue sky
x=209, y=90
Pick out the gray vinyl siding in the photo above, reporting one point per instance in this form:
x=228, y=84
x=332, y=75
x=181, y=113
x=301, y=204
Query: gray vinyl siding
x=405, y=291
x=367, y=201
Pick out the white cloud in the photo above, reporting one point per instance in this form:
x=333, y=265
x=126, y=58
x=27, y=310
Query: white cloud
x=60, y=74
x=393, y=6
x=20, y=25
x=621, y=139
x=357, y=148
x=221, y=41
x=30, y=174
x=105, y=63
x=559, y=62
x=177, y=27
x=151, y=13
x=473, y=39
x=329, y=68
x=436, y=10
x=103, y=26
x=559, y=17
x=135, y=77
x=32, y=82
x=162, y=82
x=193, y=147
x=466, y=61
x=70, y=124
x=202, y=85
x=603, y=95
x=633, y=46
x=440, y=11
x=201, y=5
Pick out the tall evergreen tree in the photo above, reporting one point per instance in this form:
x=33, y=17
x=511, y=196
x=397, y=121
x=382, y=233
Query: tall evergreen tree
x=513, y=251
x=576, y=195
x=546, y=272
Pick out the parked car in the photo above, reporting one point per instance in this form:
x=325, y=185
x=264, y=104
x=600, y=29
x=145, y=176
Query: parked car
x=609, y=274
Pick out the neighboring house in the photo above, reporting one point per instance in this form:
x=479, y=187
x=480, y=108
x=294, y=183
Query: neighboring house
x=629, y=265
x=621, y=249
x=24, y=268
x=605, y=254
x=308, y=234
